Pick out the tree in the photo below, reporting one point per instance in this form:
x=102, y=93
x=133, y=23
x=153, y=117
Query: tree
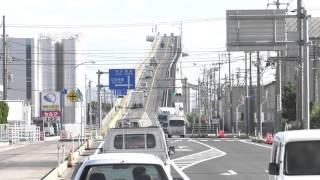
x=315, y=117
x=289, y=104
x=192, y=118
x=4, y=110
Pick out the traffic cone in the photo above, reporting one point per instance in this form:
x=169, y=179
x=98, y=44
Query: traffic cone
x=69, y=163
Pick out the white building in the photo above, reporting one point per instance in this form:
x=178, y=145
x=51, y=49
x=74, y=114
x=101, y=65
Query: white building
x=20, y=56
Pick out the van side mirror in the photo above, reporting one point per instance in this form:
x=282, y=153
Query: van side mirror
x=101, y=150
x=172, y=150
x=273, y=168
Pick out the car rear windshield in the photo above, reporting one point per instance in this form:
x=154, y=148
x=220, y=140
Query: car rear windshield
x=134, y=141
x=176, y=123
x=162, y=117
x=302, y=158
x=124, y=172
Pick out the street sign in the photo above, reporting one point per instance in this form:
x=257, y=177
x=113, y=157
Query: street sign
x=51, y=116
x=73, y=96
x=121, y=92
x=256, y=30
x=122, y=79
x=50, y=101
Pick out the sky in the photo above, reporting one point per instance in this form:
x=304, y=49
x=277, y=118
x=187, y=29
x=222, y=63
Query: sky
x=112, y=32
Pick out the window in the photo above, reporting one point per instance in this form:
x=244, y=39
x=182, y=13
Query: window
x=124, y=171
x=302, y=158
x=134, y=141
x=162, y=118
x=176, y=123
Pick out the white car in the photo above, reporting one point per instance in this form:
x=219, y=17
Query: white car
x=124, y=166
x=295, y=155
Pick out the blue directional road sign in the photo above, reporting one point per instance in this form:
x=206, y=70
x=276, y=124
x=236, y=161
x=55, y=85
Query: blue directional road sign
x=121, y=92
x=122, y=79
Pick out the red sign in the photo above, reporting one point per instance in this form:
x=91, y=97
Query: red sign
x=50, y=113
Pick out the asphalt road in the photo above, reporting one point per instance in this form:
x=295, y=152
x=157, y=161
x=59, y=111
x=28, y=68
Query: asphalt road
x=226, y=159
x=29, y=161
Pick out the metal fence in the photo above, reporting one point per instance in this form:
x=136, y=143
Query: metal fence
x=16, y=133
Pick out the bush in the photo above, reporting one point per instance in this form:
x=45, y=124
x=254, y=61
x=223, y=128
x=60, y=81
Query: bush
x=4, y=110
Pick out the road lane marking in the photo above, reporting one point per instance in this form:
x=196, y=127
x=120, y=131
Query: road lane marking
x=183, y=150
x=179, y=171
x=229, y=173
x=196, y=158
x=255, y=144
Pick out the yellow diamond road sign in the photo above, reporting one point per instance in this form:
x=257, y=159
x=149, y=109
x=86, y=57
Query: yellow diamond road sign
x=73, y=96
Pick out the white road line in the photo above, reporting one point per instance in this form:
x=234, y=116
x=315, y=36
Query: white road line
x=229, y=173
x=179, y=171
x=196, y=158
x=183, y=150
x=255, y=144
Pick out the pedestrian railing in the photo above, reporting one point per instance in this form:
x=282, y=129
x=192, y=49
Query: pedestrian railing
x=16, y=133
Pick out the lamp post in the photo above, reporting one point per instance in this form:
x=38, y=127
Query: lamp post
x=81, y=102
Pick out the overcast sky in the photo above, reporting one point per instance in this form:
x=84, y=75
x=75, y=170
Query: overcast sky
x=98, y=26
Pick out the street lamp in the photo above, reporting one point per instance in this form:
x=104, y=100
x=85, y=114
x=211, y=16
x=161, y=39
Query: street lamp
x=81, y=102
x=85, y=62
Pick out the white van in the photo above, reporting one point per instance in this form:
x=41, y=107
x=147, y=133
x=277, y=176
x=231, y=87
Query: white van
x=295, y=155
x=176, y=125
x=138, y=140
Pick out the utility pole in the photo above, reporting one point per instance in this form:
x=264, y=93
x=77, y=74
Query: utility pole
x=199, y=118
x=306, y=76
x=300, y=51
x=230, y=93
x=219, y=90
x=4, y=61
x=99, y=86
x=258, y=112
x=89, y=98
x=251, y=121
x=225, y=101
x=246, y=115
x=315, y=75
x=210, y=98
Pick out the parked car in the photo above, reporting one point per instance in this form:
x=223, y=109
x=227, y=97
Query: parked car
x=124, y=166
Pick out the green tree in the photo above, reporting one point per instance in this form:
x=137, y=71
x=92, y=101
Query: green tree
x=289, y=104
x=315, y=117
x=4, y=110
x=192, y=118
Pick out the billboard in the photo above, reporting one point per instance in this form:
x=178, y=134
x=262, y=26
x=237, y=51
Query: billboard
x=50, y=105
x=122, y=79
x=256, y=30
